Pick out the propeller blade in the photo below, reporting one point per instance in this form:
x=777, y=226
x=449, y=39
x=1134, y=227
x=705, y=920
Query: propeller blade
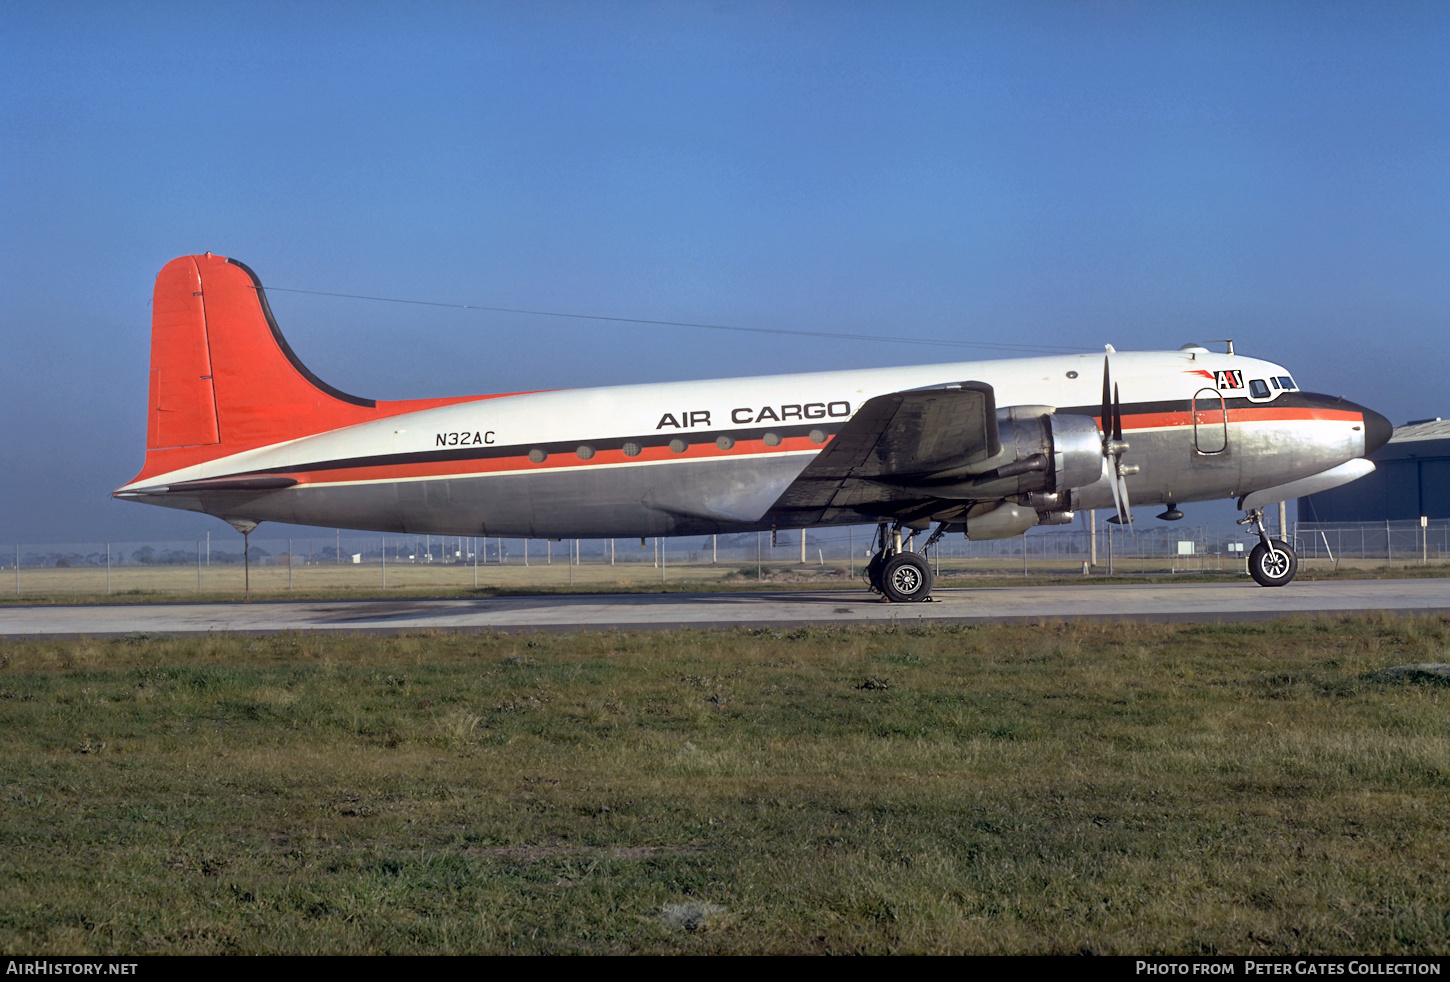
x=1113, y=447
x=1113, y=481
x=1107, y=401
x=1127, y=510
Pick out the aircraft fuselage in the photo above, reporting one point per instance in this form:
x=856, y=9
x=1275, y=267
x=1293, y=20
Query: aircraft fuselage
x=718, y=456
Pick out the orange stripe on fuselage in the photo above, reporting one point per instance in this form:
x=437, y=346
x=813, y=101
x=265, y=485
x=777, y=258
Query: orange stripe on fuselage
x=1250, y=414
x=505, y=465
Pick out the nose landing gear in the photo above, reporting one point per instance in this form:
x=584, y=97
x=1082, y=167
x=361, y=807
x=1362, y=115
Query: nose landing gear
x=1272, y=562
x=897, y=574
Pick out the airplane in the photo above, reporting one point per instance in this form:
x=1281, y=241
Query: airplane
x=239, y=428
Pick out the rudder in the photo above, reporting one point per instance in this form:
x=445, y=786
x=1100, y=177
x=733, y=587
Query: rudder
x=182, y=396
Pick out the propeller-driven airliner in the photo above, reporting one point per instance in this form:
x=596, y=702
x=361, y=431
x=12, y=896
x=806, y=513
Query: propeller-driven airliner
x=239, y=428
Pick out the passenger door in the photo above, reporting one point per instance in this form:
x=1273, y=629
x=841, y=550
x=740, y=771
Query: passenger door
x=1210, y=422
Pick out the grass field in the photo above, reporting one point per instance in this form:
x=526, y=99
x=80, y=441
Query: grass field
x=1113, y=788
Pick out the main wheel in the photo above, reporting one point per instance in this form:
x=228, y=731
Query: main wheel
x=1273, y=567
x=906, y=578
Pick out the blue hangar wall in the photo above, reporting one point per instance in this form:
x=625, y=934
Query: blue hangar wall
x=1411, y=479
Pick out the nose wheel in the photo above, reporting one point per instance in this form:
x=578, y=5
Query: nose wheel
x=1272, y=562
x=1273, y=565
x=900, y=576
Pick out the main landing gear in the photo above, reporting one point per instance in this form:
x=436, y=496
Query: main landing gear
x=1272, y=562
x=896, y=573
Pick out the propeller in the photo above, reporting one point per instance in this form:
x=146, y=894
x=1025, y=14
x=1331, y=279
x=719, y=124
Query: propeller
x=1114, y=448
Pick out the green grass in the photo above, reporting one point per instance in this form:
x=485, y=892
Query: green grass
x=1115, y=788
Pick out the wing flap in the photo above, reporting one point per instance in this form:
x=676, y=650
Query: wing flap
x=902, y=438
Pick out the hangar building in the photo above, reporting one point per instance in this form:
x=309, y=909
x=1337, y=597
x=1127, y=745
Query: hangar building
x=1411, y=479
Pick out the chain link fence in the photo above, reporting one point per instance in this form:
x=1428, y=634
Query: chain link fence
x=373, y=563
x=1418, y=541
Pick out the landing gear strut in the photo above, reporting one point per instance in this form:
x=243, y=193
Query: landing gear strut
x=894, y=572
x=1272, y=562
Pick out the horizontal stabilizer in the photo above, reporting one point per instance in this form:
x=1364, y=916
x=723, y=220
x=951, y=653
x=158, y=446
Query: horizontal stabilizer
x=232, y=484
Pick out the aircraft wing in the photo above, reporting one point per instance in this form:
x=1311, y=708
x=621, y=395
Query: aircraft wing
x=901, y=438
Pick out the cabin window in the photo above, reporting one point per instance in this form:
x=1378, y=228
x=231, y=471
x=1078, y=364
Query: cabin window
x=724, y=443
x=585, y=452
x=538, y=456
x=631, y=449
x=1258, y=389
x=678, y=445
x=772, y=439
x=818, y=436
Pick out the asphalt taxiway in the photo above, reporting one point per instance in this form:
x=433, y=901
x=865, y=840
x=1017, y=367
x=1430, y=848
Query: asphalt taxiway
x=1163, y=602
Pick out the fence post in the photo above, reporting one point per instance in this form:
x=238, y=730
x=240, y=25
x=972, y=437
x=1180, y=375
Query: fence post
x=385, y=562
x=108, y=567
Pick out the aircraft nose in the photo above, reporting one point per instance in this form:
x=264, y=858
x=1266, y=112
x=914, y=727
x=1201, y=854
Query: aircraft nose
x=1377, y=431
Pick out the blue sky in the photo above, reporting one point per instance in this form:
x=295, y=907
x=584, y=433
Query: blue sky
x=1069, y=174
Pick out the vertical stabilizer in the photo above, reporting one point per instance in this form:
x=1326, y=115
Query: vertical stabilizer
x=223, y=378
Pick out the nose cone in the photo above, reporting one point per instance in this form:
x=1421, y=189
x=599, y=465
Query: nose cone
x=1377, y=431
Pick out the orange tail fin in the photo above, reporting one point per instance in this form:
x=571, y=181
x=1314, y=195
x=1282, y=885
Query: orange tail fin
x=224, y=380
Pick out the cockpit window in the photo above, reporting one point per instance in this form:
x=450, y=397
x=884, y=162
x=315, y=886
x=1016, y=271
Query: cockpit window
x=1258, y=389
x=1286, y=382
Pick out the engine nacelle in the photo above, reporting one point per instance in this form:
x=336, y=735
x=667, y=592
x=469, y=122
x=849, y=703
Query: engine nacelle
x=1045, y=452
x=1000, y=521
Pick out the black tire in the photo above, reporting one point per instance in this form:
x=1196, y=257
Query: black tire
x=906, y=578
x=1273, y=568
